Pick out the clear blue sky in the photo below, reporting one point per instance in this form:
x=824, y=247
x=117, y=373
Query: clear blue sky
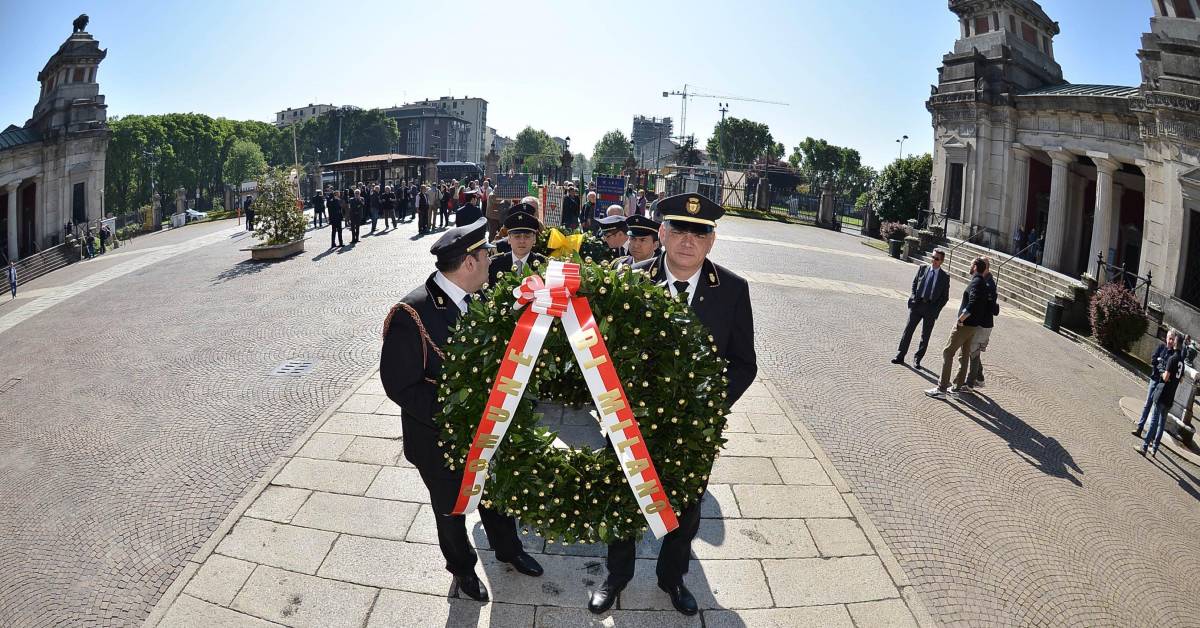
x=856, y=73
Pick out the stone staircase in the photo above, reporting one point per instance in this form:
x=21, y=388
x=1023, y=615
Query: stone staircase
x=50, y=260
x=1019, y=283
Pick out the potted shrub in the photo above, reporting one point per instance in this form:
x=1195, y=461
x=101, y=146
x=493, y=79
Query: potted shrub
x=894, y=233
x=279, y=219
x=1117, y=317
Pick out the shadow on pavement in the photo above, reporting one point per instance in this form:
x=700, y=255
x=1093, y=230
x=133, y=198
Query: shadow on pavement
x=243, y=268
x=1191, y=484
x=1045, y=453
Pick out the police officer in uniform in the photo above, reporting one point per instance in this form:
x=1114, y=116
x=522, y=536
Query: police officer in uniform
x=721, y=301
x=470, y=212
x=612, y=231
x=643, y=239
x=523, y=228
x=413, y=336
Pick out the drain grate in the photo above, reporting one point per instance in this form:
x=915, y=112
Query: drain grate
x=9, y=385
x=294, y=368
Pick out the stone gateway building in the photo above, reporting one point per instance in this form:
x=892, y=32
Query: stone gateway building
x=1095, y=169
x=52, y=168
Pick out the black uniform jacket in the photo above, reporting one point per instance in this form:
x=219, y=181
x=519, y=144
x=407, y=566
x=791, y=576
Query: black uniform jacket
x=722, y=303
x=467, y=214
x=503, y=263
x=335, y=209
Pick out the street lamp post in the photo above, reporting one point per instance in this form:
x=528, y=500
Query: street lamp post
x=901, y=142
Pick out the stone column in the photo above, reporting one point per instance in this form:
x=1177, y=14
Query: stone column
x=1056, y=224
x=1019, y=197
x=13, y=253
x=1102, y=222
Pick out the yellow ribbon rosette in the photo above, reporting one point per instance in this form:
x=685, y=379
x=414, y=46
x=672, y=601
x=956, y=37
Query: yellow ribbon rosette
x=562, y=246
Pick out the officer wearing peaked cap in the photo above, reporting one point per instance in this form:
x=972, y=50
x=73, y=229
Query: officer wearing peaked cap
x=721, y=301
x=523, y=228
x=414, y=334
x=612, y=231
x=643, y=239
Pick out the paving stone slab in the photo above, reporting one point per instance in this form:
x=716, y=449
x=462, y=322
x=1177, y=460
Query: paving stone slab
x=370, y=450
x=839, y=537
x=801, y=471
x=219, y=579
x=772, y=424
x=735, y=470
x=277, y=544
x=364, y=404
x=189, y=612
x=325, y=446
x=766, y=445
x=388, y=564
x=364, y=516
x=757, y=389
x=378, y=425
x=834, y=616
x=715, y=583
x=373, y=386
x=719, y=503
x=788, y=501
x=399, y=483
x=278, y=503
x=568, y=580
x=758, y=405
x=882, y=614
x=402, y=609
x=738, y=422
x=295, y=599
x=550, y=617
x=424, y=530
x=389, y=408
x=327, y=475
x=752, y=538
x=813, y=581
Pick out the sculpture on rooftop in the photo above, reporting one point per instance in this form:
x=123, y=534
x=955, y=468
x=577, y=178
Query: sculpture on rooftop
x=80, y=23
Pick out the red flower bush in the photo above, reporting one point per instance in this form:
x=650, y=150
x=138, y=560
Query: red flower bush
x=1117, y=317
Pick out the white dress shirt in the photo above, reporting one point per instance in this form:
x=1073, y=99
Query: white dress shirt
x=692, y=281
x=453, y=292
x=523, y=261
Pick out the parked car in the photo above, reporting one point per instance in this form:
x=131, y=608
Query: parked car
x=194, y=216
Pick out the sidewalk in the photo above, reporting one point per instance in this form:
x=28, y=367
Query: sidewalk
x=339, y=533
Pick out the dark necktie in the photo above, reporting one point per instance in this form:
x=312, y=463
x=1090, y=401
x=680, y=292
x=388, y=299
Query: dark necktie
x=927, y=293
x=681, y=287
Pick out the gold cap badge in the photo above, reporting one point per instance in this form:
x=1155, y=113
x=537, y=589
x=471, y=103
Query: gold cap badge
x=693, y=206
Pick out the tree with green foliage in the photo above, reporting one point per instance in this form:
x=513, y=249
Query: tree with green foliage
x=611, y=151
x=822, y=163
x=687, y=154
x=279, y=218
x=245, y=162
x=901, y=191
x=740, y=141
x=532, y=150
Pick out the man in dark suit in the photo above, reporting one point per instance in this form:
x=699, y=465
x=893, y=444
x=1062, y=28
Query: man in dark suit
x=930, y=292
x=336, y=213
x=357, y=211
x=570, y=208
x=318, y=203
x=470, y=212
x=974, y=312
x=375, y=206
x=414, y=334
x=523, y=228
x=721, y=301
x=643, y=239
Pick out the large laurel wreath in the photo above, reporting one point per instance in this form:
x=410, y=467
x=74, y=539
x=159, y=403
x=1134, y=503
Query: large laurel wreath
x=671, y=372
x=592, y=247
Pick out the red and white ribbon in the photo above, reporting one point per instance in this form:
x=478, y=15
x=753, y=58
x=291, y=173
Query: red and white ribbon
x=547, y=299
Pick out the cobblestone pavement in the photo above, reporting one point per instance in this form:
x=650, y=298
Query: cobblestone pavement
x=343, y=535
x=145, y=408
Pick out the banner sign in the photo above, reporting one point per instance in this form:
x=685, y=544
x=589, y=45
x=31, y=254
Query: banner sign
x=609, y=191
x=552, y=205
x=515, y=186
x=554, y=297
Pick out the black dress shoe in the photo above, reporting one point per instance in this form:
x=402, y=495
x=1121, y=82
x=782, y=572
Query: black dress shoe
x=917, y=364
x=897, y=360
x=472, y=587
x=525, y=564
x=604, y=597
x=1136, y=432
x=681, y=598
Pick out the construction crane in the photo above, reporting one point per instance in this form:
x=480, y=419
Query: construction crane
x=685, y=94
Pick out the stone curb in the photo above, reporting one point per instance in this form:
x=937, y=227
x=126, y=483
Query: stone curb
x=895, y=571
x=192, y=565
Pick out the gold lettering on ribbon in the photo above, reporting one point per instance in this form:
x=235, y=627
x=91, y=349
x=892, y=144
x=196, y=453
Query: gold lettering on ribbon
x=655, y=507
x=509, y=386
x=487, y=441
x=477, y=465
x=520, y=358
x=471, y=490
x=617, y=427
x=646, y=489
x=625, y=444
x=497, y=414
x=584, y=338
x=610, y=401
x=636, y=466
x=594, y=362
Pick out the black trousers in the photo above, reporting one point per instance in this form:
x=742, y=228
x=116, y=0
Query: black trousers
x=420, y=448
x=354, y=225
x=335, y=233
x=249, y=220
x=423, y=220
x=318, y=218
x=926, y=315
x=673, y=558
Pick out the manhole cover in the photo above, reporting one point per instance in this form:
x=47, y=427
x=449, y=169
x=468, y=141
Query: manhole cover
x=9, y=385
x=293, y=368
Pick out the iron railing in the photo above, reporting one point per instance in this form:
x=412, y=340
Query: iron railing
x=950, y=253
x=1120, y=274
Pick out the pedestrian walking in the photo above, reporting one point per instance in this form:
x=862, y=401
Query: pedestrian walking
x=587, y=215
x=248, y=209
x=375, y=206
x=105, y=235
x=930, y=292
x=1018, y=240
x=969, y=316
x=318, y=203
x=1032, y=243
x=983, y=333
x=1164, y=380
x=357, y=208
x=423, y=214
x=570, y=208
x=89, y=248
x=444, y=205
x=12, y=278
x=410, y=367
x=336, y=214
x=388, y=203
